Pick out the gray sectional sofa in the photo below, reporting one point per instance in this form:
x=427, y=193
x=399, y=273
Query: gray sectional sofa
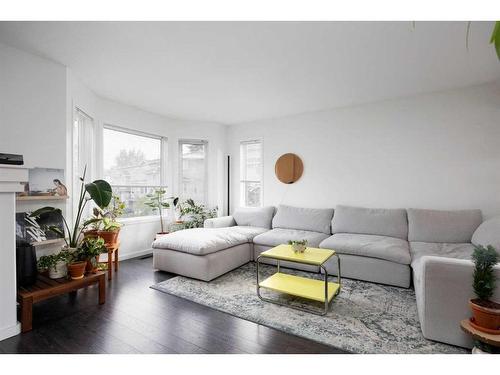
x=385, y=246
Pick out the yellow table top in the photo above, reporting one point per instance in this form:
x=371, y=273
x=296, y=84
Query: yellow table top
x=311, y=256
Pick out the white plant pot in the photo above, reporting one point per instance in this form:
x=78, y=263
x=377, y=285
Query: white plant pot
x=60, y=270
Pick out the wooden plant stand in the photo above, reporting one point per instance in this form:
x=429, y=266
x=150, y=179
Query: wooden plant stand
x=113, y=251
x=484, y=342
x=46, y=288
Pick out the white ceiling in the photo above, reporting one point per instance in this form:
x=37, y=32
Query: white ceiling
x=233, y=72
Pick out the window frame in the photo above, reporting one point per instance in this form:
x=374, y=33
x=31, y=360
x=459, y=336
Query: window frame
x=179, y=154
x=242, y=181
x=163, y=165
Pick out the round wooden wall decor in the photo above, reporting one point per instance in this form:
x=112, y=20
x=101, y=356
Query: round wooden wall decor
x=288, y=168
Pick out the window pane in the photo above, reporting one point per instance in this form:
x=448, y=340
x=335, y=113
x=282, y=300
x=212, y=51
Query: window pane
x=132, y=165
x=251, y=174
x=134, y=198
x=253, y=163
x=193, y=171
x=252, y=194
x=131, y=159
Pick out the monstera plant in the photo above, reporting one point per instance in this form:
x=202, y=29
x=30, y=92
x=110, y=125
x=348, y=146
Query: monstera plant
x=98, y=191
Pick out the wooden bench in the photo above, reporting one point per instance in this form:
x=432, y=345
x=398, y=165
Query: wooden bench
x=46, y=288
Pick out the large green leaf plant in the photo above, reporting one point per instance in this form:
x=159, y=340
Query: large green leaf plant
x=98, y=191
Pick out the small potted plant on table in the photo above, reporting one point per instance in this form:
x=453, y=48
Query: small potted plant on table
x=486, y=313
x=298, y=246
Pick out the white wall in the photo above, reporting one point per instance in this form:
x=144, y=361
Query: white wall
x=432, y=151
x=32, y=108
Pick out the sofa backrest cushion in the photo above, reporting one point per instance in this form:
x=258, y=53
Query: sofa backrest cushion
x=376, y=221
x=312, y=219
x=442, y=226
x=488, y=233
x=254, y=217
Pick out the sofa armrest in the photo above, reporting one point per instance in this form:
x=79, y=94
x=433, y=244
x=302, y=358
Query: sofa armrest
x=220, y=222
x=443, y=290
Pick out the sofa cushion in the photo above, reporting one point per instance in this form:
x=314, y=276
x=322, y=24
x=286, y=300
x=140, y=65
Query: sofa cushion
x=442, y=226
x=254, y=217
x=280, y=236
x=446, y=250
x=488, y=233
x=378, y=221
x=202, y=241
x=368, y=245
x=308, y=219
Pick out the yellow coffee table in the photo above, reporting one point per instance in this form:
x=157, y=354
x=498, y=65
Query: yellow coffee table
x=312, y=289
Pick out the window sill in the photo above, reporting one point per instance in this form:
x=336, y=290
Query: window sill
x=139, y=220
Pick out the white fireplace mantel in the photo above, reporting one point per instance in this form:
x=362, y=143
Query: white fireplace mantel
x=11, y=179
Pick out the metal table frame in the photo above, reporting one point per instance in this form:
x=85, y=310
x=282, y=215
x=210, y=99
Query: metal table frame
x=325, y=273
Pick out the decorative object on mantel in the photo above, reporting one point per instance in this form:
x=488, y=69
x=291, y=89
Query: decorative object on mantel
x=288, y=168
x=486, y=313
x=60, y=188
x=41, y=183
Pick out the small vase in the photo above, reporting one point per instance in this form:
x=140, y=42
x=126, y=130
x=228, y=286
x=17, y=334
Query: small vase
x=298, y=248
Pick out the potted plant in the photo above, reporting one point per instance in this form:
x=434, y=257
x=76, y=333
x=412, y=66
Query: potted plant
x=98, y=191
x=298, y=246
x=105, y=223
x=90, y=250
x=196, y=214
x=158, y=201
x=486, y=313
x=54, y=264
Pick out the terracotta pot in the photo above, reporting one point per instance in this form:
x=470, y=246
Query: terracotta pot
x=77, y=270
x=109, y=237
x=92, y=233
x=485, y=317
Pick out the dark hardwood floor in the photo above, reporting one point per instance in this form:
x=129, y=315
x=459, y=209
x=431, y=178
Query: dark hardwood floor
x=138, y=319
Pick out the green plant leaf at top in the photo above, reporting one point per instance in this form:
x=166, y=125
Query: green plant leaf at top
x=44, y=210
x=100, y=191
x=495, y=38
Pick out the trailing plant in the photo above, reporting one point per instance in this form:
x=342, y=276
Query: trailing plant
x=196, y=213
x=158, y=201
x=47, y=262
x=484, y=279
x=98, y=191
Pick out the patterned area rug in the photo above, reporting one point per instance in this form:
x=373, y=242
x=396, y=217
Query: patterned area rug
x=363, y=318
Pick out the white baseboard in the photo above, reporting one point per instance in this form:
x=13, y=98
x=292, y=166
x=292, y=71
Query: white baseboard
x=7, y=332
x=135, y=254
